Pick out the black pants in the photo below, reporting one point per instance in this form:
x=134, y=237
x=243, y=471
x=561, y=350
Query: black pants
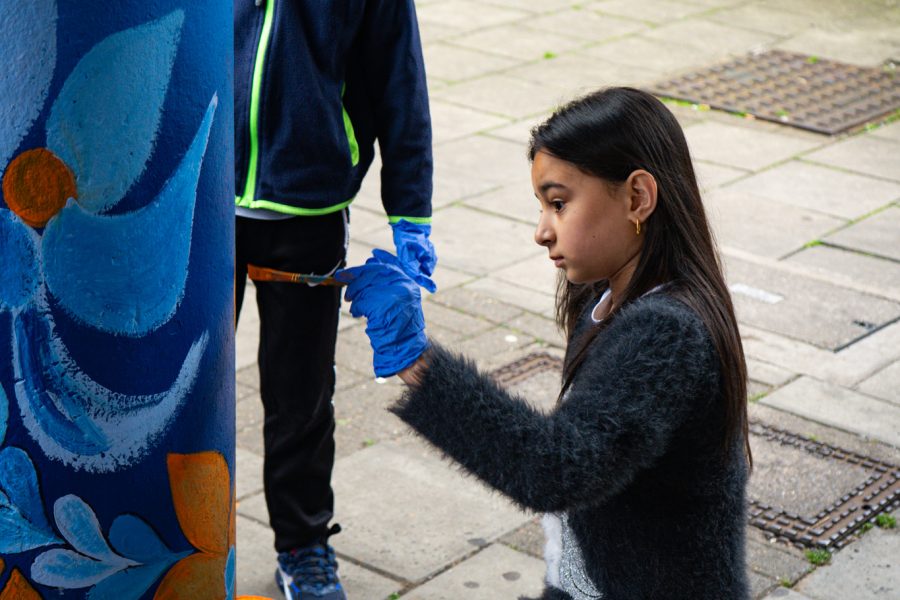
x=298, y=328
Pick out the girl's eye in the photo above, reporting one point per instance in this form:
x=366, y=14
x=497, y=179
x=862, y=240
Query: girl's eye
x=557, y=205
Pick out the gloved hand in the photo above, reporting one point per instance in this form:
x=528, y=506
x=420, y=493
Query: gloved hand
x=390, y=300
x=415, y=252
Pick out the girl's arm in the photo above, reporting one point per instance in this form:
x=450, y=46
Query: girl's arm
x=632, y=392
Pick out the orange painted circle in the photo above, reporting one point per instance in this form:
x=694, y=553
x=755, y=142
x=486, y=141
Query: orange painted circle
x=37, y=185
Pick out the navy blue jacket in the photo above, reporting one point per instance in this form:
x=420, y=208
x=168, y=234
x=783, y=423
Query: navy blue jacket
x=316, y=83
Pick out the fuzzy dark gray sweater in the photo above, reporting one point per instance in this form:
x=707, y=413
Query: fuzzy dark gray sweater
x=632, y=454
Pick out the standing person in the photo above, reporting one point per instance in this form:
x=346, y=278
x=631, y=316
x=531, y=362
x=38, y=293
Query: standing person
x=641, y=468
x=316, y=84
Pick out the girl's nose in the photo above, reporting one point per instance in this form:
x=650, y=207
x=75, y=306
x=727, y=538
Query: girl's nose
x=543, y=235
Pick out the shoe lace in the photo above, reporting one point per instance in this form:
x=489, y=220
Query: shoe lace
x=312, y=566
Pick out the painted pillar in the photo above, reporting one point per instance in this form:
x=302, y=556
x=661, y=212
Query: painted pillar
x=116, y=302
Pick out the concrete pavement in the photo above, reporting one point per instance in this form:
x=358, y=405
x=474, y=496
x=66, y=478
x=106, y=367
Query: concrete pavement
x=809, y=229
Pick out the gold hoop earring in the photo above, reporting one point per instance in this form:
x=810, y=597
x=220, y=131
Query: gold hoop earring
x=637, y=227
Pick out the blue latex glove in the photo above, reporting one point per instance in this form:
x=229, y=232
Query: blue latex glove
x=415, y=252
x=390, y=300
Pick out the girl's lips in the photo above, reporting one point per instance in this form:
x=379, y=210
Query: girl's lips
x=558, y=261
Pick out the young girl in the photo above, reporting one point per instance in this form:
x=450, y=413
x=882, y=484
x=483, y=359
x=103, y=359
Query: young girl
x=641, y=468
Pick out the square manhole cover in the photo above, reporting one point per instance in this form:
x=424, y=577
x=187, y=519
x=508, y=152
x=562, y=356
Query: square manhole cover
x=802, y=491
x=820, y=95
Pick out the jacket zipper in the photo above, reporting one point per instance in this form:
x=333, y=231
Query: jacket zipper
x=258, y=68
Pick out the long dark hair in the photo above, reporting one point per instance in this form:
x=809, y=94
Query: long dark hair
x=610, y=134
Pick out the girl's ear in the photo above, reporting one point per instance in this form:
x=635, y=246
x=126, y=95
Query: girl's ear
x=641, y=188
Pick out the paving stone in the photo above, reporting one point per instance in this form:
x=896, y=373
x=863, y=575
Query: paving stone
x=529, y=299
x=715, y=39
x=768, y=374
x=246, y=337
x=839, y=407
x=353, y=351
x=536, y=273
x=820, y=313
x=251, y=439
x=711, y=175
x=861, y=46
x=519, y=131
x=361, y=415
x=534, y=7
x=453, y=63
x=503, y=95
x=822, y=189
x=878, y=234
x=639, y=51
x=248, y=478
x=759, y=584
x=847, y=368
x=486, y=158
x=451, y=122
x=514, y=201
x=543, y=329
x=446, y=278
x=450, y=517
x=888, y=132
x=743, y=146
x=834, y=11
x=433, y=31
x=256, y=567
x=783, y=593
x=840, y=265
x=495, y=572
x=867, y=570
x=529, y=538
x=490, y=346
x=651, y=11
x=776, y=560
x=467, y=14
x=452, y=321
x=489, y=242
x=473, y=303
x=884, y=384
x=797, y=481
x=865, y=154
x=575, y=74
x=587, y=24
x=761, y=226
x=517, y=42
x=540, y=390
x=763, y=18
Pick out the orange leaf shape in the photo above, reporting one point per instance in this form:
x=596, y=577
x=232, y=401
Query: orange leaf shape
x=18, y=588
x=197, y=577
x=201, y=493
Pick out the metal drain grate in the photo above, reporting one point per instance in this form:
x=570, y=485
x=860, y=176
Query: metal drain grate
x=819, y=95
x=832, y=526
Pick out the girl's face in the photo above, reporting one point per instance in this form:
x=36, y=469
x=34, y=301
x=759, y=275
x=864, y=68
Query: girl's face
x=586, y=224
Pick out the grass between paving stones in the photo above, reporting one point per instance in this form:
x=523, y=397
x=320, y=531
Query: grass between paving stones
x=818, y=557
x=886, y=521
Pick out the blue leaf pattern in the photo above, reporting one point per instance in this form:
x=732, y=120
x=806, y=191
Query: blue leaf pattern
x=78, y=524
x=23, y=89
x=137, y=262
x=123, y=79
x=4, y=413
x=92, y=563
x=20, y=250
x=67, y=569
x=23, y=525
x=132, y=537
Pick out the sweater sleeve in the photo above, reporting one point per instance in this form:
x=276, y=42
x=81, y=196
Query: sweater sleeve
x=638, y=384
x=394, y=70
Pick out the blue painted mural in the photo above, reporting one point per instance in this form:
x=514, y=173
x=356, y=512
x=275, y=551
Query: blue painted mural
x=116, y=314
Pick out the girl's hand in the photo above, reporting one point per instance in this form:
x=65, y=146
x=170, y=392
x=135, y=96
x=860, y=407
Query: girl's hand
x=391, y=302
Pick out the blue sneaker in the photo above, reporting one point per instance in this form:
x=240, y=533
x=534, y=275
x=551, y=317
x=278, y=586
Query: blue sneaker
x=309, y=573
